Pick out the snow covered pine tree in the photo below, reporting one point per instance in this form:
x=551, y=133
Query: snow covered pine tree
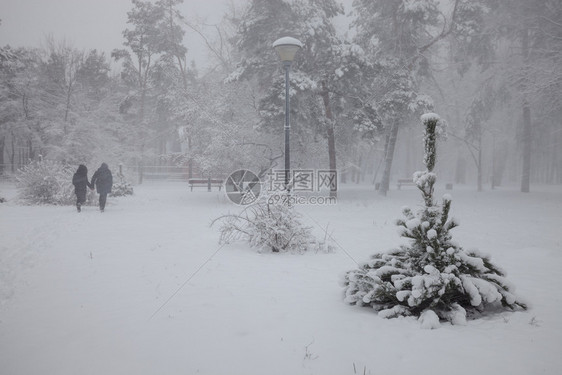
x=433, y=277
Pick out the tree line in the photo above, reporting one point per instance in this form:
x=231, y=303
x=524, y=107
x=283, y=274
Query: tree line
x=492, y=68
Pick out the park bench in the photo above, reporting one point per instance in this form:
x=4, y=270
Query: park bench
x=205, y=182
x=405, y=182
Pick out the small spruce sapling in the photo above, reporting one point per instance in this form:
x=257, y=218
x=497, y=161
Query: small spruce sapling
x=121, y=187
x=433, y=272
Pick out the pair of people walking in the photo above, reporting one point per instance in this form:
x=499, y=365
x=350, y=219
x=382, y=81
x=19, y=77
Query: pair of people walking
x=102, y=180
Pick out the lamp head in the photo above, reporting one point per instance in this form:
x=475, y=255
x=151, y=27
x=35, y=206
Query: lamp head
x=287, y=47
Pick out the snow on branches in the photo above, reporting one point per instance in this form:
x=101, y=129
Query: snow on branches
x=45, y=182
x=433, y=275
x=270, y=225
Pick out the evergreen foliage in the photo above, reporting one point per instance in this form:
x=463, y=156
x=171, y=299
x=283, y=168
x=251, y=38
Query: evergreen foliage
x=45, y=182
x=433, y=272
x=330, y=90
x=121, y=187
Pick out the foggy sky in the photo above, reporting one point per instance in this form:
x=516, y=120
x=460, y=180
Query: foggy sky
x=90, y=24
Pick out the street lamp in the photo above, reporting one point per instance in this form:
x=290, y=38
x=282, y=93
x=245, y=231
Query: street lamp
x=286, y=48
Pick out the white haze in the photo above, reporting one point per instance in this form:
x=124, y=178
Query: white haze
x=88, y=24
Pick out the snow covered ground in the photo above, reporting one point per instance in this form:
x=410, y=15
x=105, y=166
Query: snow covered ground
x=145, y=288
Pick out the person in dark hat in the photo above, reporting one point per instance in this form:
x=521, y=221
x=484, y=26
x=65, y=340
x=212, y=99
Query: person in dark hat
x=80, y=182
x=103, y=181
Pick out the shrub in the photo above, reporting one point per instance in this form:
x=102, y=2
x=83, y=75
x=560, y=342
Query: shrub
x=270, y=225
x=45, y=182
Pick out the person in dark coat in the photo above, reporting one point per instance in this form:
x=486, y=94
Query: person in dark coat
x=103, y=180
x=80, y=182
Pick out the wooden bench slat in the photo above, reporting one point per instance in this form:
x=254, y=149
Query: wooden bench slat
x=196, y=181
x=205, y=182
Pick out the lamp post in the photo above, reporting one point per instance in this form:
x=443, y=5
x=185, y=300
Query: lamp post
x=286, y=48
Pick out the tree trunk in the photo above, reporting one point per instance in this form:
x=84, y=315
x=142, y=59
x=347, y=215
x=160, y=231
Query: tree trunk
x=332, y=157
x=331, y=135
x=13, y=153
x=393, y=136
x=558, y=163
x=500, y=162
x=190, y=160
x=460, y=170
x=2, y=142
x=479, y=164
x=526, y=171
x=359, y=169
x=553, y=159
x=67, y=108
x=30, y=150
